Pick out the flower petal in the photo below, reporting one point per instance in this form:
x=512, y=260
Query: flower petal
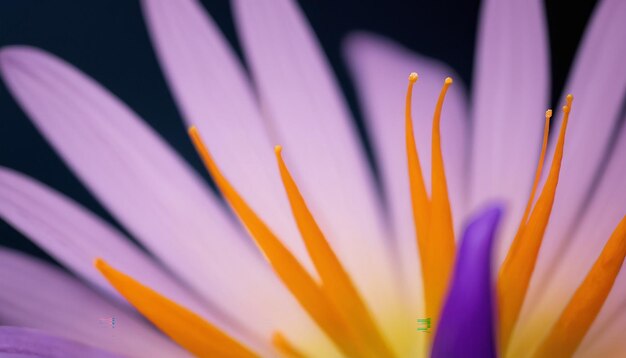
x=510, y=96
x=598, y=81
x=468, y=317
x=150, y=190
x=23, y=342
x=306, y=110
x=75, y=238
x=213, y=93
x=41, y=296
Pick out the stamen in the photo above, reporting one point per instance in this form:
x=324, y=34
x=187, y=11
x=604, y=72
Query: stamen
x=544, y=145
x=182, y=325
x=519, y=264
x=419, y=196
x=285, y=347
x=301, y=285
x=335, y=280
x=585, y=304
x=506, y=322
x=441, y=247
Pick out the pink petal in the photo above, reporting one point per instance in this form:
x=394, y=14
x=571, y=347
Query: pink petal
x=150, y=190
x=75, y=237
x=23, y=342
x=41, y=296
x=381, y=68
x=598, y=82
x=212, y=91
x=305, y=108
x=510, y=97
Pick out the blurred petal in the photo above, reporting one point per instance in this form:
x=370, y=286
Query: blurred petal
x=467, y=320
x=307, y=112
x=380, y=68
x=23, y=342
x=41, y=296
x=75, y=238
x=598, y=82
x=510, y=96
x=213, y=93
x=150, y=190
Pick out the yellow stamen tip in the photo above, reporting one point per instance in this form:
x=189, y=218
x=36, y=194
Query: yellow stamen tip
x=413, y=77
x=549, y=113
x=566, y=109
x=569, y=99
x=278, y=149
x=448, y=80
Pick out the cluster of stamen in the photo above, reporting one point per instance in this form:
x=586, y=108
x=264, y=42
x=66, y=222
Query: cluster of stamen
x=336, y=305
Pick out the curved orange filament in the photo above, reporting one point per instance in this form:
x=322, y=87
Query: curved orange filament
x=285, y=347
x=335, y=280
x=182, y=325
x=441, y=246
x=584, y=306
x=302, y=286
x=506, y=323
x=519, y=264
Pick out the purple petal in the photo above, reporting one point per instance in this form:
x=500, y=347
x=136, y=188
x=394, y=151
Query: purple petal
x=307, y=111
x=149, y=189
x=598, y=83
x=23, y=342
x=213, y=92
x=467, y=319
x=510, y=97
x=38, y=295
x=380, y=68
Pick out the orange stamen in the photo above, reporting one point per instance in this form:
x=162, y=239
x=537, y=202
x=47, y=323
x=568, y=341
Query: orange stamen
x=520, y=261
x=335, y=280
x=419, y=196
x=301, y=285
x=182, y=325
x=441, y=246
x=584, y=306
x=285, y=347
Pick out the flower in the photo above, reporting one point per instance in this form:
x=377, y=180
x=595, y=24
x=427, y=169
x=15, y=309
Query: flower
x=343, y=274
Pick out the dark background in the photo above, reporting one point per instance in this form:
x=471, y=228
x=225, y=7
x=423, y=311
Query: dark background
x=107, y=39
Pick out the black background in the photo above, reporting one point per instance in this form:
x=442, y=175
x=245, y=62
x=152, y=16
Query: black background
x=107, y=39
